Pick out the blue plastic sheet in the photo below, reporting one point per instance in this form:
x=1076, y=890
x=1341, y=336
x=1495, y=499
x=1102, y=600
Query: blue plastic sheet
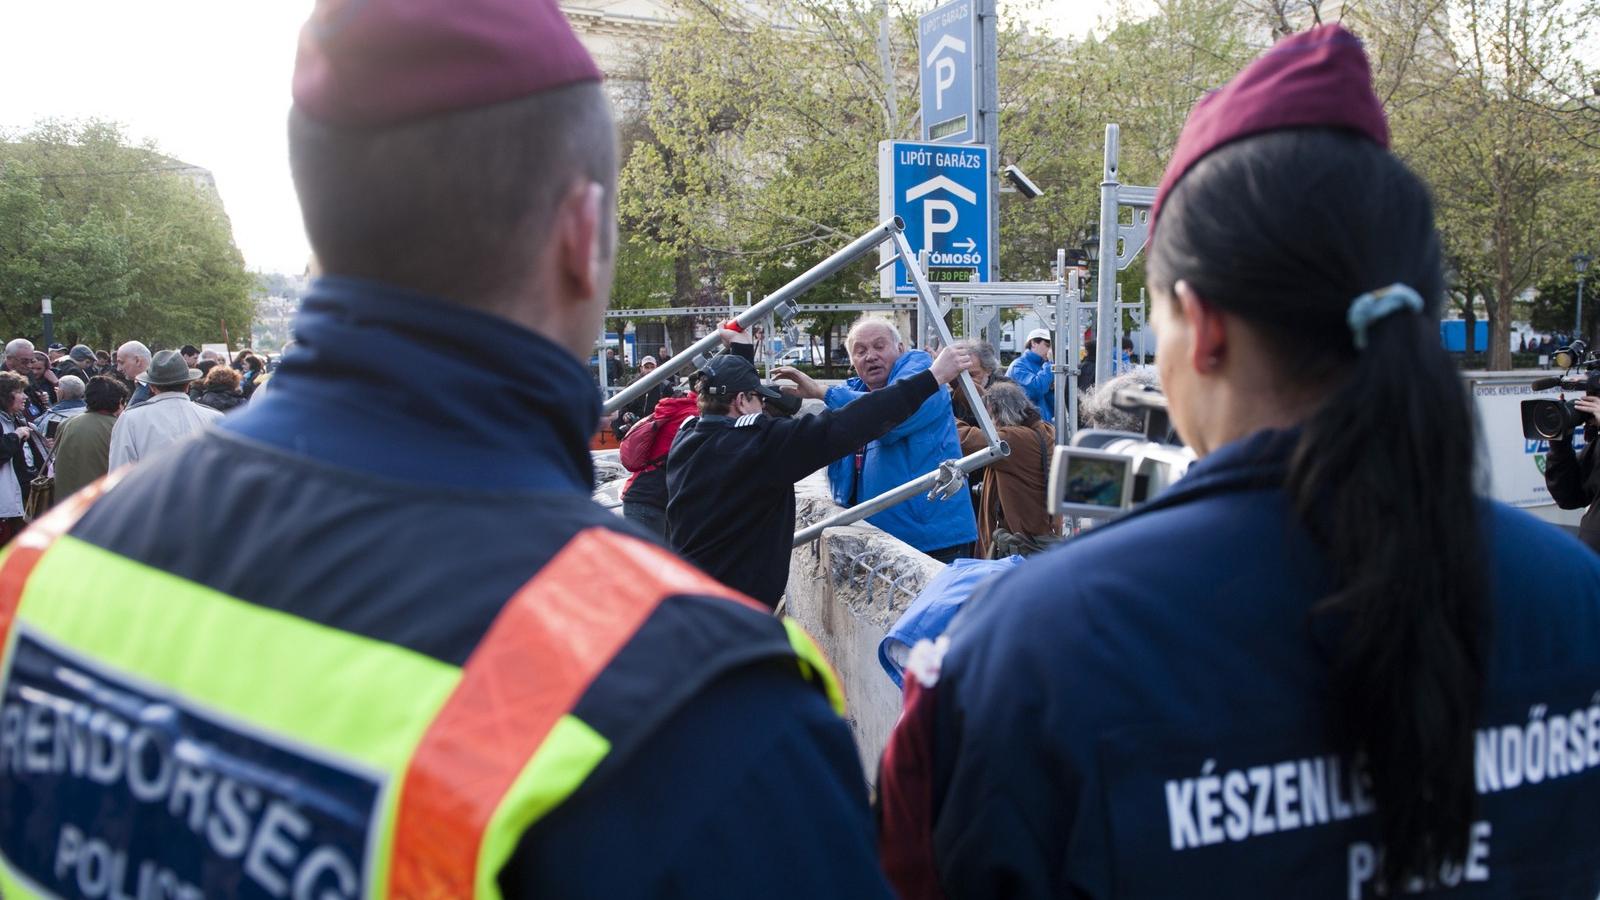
x=929, y=615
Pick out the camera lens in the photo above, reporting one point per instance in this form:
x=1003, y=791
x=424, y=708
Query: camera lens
x=1550, y=419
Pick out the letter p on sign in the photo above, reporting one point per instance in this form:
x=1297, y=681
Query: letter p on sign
x=944, y=76
x=931, y=225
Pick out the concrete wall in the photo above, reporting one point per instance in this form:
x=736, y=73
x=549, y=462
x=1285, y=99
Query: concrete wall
x=847, y=589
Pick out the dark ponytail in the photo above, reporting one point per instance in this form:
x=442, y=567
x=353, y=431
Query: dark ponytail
x=1286, y=230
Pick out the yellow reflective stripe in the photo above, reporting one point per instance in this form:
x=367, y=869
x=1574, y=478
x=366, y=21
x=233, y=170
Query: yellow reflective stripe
x=10, y=887
x=814, y=665
x=363, y=699
x=568, y=755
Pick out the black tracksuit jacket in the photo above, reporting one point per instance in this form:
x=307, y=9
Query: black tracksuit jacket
x=730, y=482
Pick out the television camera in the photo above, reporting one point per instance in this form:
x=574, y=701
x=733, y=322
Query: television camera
x=1547, y=419
x=1103, y=473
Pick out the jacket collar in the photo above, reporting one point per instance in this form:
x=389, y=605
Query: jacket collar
x=1255, y=461
x=416, y=388
x=165, y=397
x=855, y=383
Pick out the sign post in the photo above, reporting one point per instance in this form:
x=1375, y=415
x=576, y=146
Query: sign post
x=943, y=193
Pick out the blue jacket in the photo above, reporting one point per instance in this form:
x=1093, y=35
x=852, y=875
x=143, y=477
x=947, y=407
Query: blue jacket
x=1140, y=713
x=1032, y=373
x=912, y=448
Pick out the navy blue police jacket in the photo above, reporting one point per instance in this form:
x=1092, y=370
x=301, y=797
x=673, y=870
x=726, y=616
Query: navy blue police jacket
x=730, y=482
x=1140, y=713
x=414, y=461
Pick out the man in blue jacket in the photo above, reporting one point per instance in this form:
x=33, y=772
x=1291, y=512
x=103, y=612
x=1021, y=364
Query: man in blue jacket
x=1031, y=372
x=945, y=530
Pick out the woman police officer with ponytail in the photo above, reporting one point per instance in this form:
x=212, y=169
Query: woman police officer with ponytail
x=1320, y=665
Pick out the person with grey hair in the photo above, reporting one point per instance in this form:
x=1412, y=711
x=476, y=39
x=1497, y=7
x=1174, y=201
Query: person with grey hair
x=19, y=356
x=985, y=370
x=69, y=405
x=1012, y=515
x=942, y=529
x=1095, y=409
x=133, y=358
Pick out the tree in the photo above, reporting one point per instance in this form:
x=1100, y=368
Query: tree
x=129, y=243
x=1507, y=179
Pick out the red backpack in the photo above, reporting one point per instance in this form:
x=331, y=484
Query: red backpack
x=646, y=444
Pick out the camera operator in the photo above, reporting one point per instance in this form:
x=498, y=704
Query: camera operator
x=732, y=469
x=1573, y=478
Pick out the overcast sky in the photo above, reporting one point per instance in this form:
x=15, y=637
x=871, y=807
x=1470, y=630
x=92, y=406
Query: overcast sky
x=208, y=81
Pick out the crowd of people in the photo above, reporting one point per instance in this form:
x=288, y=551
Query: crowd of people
x=1319, y=665
x=66, y=412
x=1009, y=500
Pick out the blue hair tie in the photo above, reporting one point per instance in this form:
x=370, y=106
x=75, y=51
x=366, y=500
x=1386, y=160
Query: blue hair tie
x=1374, y=305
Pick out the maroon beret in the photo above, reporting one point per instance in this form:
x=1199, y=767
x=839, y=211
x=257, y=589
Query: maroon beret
x=1315, y=78
x=368, y=63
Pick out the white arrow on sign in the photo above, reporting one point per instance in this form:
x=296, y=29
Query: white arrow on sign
x=940, y=182
x=969, y=245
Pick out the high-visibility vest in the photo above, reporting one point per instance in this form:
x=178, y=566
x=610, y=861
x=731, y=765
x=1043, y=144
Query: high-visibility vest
x=139, y=758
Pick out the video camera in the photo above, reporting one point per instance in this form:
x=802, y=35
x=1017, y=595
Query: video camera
x=1546, y=419
x=1103, y=473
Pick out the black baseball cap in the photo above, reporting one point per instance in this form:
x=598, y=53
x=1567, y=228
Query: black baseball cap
x=728, y=375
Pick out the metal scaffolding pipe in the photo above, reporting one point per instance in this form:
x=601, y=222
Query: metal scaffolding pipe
x=930, y=311
x=808, y=279
x=896, y=495
x=1106, y=284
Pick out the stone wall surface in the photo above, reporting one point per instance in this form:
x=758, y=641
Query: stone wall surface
x=847, y=589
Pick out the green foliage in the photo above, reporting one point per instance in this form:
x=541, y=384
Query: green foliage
x=127, y=242
x=754, y=147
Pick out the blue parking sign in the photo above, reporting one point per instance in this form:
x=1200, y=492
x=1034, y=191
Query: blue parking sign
x=947, y=53
x=942, y=193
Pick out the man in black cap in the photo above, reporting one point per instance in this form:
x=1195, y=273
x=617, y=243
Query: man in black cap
x=731, y=472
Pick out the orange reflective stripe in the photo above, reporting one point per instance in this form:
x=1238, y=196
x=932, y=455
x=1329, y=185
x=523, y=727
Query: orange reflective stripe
x=30, y=545
x=544, y=649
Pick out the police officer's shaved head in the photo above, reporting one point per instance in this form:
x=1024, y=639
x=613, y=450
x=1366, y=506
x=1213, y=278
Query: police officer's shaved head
x=432, y=145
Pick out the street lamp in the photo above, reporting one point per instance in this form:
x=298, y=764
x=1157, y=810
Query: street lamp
x=1091, y=243
x=49, y=324
x=1580, y=264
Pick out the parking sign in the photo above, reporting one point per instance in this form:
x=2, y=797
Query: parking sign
x=942, y=193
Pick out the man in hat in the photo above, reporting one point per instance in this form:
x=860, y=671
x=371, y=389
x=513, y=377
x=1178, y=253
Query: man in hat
x=1031, y=371
x=167, y=417
x=731, y=472
x=418, y=659
x=78, y=361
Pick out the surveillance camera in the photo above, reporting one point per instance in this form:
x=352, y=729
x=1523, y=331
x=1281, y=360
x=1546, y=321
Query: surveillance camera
x=1020, y=181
